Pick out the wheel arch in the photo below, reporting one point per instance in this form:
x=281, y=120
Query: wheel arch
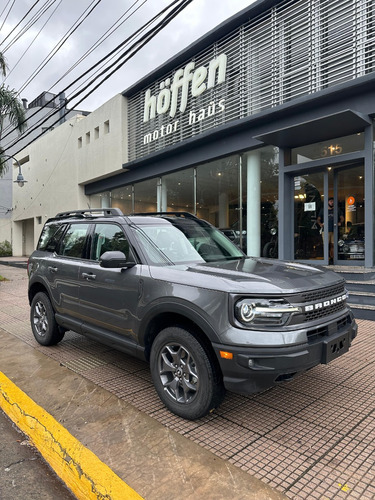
x=35, y=288
x=180, y=317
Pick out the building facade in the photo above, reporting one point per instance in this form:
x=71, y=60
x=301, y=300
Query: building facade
x=42, y=114
x=254, y=127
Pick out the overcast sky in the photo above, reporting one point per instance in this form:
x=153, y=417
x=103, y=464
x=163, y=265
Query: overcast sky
x=26, y=54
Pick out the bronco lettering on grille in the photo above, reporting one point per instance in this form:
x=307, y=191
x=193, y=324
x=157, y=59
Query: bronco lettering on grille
x=326, y=303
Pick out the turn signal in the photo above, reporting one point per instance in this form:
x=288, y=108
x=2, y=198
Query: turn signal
x=226, y=355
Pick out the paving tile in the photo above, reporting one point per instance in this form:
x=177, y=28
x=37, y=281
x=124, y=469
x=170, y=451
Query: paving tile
x=272, y=462
x=333, y=417
x=255, y=417
x=285, y=400
x=312, y=438
x=222, y=437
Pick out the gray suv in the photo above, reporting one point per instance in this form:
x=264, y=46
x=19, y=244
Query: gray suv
x=173, y=290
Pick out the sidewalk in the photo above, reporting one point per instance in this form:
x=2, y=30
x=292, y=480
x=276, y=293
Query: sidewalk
x=154, y=460
x=313, y=438
x=14, y=261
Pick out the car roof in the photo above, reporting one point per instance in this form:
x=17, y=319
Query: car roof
x=115, y=214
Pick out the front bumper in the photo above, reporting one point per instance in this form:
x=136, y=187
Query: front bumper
x=255, y=369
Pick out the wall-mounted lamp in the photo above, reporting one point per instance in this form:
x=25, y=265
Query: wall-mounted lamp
x=20, y=178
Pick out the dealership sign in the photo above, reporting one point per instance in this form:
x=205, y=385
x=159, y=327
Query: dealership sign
x=176, y=94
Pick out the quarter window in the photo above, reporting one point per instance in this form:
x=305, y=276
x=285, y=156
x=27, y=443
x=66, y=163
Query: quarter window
x=50, y=237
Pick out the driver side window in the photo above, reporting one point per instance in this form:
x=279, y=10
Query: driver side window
x=107, y=238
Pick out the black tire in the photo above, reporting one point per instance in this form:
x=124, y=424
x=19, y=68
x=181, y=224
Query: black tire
x=270, y=250
x=186, y=380
x=43, y=324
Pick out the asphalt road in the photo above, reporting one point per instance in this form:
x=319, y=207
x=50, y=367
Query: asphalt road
x=23, y=472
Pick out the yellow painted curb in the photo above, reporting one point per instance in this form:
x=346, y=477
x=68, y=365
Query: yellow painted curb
x=79, y=468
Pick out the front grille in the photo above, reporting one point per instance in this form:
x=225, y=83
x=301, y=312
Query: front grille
x=324, y=293
x=322, y=313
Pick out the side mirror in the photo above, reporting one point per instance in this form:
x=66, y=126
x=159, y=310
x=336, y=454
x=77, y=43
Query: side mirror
x=115, y=260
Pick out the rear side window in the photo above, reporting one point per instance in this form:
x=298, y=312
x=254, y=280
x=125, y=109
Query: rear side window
x=50, y=237
x=107, y=238
x=73, y=242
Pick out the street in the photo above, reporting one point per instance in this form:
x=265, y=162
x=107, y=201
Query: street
x=24, y=473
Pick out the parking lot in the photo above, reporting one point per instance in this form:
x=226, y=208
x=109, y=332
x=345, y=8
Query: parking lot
x=312, y=438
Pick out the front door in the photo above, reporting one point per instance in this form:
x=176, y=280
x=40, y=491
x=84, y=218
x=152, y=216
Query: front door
x=329, y=216
x=350, y=235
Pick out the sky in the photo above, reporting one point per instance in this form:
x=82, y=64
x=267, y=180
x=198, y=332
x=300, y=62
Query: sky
x=27, y=48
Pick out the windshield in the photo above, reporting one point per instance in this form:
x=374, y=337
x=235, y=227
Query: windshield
x=184, y=241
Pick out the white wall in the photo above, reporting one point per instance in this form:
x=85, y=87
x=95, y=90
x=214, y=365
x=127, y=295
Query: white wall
x=61, y=162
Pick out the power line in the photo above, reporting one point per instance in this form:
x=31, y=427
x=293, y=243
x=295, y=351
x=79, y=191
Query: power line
x=6, y=17
x=29, y=24
x=61, y=43
x=82, y=58
x=36, y=36
x=132, y=51
x=16, y=26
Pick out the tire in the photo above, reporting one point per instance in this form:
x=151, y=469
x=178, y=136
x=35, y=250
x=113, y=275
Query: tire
x=43, y=324
x=186, y=380
x=269, y=250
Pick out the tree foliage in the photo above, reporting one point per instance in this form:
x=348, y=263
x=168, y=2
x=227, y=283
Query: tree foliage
x=12, y=112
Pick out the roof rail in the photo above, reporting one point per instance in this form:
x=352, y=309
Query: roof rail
x=186, y=215
x=106, y=212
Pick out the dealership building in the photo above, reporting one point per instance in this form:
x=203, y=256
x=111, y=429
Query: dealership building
x=253, y=127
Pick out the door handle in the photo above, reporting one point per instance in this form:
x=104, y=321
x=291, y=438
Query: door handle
x=88, y=276
x=52, y=269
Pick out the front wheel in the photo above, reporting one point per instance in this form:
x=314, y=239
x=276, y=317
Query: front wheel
x=184, y=374
x=43, y=324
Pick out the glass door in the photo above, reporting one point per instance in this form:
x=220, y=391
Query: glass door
x=308, y=203
x=329, y=210
x=350, y=209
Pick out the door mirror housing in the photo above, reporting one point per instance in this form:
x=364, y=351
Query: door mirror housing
x=116, y=260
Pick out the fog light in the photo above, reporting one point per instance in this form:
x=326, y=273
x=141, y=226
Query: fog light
x=251, y=363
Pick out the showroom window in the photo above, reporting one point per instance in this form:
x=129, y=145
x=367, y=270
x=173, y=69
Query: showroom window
x=218, y=191
x=222, y=192
x=176, y=192
x=122, y=198
x=145, y=196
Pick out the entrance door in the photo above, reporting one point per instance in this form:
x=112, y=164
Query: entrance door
x=350, y=236
x=340, y=240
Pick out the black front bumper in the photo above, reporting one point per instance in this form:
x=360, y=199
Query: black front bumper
x=255, y=369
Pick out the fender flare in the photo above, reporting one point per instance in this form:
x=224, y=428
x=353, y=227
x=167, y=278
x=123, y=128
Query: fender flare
x=182, y=308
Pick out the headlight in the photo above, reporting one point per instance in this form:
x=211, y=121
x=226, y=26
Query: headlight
x=262, y=312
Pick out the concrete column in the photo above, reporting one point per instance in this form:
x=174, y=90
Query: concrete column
x=105, y=201
x=223, y=210
x=253, y=203
x=164, y=196
x=161, y=196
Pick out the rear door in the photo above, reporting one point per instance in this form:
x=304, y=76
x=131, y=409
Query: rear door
x=109, y=297
x=63, y=270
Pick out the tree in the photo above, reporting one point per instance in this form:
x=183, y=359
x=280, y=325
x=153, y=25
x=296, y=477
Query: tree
x=12, y=112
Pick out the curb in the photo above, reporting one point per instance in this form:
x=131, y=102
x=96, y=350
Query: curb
x=80, y=469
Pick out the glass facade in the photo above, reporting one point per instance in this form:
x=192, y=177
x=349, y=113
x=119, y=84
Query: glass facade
x=328, y=149
x=222, y=191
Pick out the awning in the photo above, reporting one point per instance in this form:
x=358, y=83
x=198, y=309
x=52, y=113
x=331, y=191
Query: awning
x=340, y=124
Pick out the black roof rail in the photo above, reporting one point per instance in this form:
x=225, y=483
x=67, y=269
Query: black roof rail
x=187, y=215
x=106, y=212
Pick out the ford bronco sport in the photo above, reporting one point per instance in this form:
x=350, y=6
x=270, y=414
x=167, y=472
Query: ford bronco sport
x=172, y=289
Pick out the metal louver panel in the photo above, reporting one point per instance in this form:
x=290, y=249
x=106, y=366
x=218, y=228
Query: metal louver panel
x=294, y=49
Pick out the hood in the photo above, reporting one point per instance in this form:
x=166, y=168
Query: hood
x=249, y=275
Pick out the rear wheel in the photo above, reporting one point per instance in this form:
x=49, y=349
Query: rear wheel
x=42, y=317
x=185, y=378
